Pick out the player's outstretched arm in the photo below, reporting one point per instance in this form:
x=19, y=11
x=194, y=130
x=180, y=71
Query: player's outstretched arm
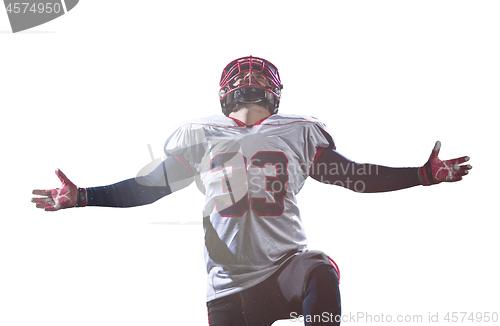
x=166, y=178
x=128, y=193
x=436, y=171
x=67, y=196
x=333, y=168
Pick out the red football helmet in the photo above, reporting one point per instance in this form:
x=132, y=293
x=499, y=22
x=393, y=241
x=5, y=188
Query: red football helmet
x=250, y=80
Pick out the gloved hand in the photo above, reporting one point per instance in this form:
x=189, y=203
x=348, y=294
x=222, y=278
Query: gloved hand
x=67, y=196
x=436, y=171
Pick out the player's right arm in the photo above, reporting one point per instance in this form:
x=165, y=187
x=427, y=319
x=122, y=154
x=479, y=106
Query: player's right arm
x=128, y=193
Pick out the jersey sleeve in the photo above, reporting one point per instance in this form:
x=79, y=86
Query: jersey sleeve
x=318, y=139
x=187, y=145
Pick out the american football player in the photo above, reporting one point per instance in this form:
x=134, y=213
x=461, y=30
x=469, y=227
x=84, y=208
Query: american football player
x=250, y=163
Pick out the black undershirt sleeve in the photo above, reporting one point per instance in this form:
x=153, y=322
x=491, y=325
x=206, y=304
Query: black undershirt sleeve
x=141, y=190
x=333, y=168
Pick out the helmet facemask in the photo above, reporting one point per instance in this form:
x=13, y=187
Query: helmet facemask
x=250, y=80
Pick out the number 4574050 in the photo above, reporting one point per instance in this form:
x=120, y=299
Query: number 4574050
x=36, y=8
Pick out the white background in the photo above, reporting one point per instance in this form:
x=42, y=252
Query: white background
x=89, y=91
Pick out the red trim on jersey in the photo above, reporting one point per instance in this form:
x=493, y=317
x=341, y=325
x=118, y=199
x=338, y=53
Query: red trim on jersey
x=260, y=121
x=238, y=122
x=335, y=266
x=242, y=124
x=319, y=150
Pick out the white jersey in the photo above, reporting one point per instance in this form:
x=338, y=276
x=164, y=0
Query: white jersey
x=250, y=177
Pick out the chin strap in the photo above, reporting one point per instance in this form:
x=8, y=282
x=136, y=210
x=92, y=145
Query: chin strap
x=436, y=171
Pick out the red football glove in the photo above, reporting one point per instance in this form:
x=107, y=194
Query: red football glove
x=65, y=197
x=436, y=171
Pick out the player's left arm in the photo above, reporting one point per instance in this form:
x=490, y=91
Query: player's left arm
x=333, y=168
